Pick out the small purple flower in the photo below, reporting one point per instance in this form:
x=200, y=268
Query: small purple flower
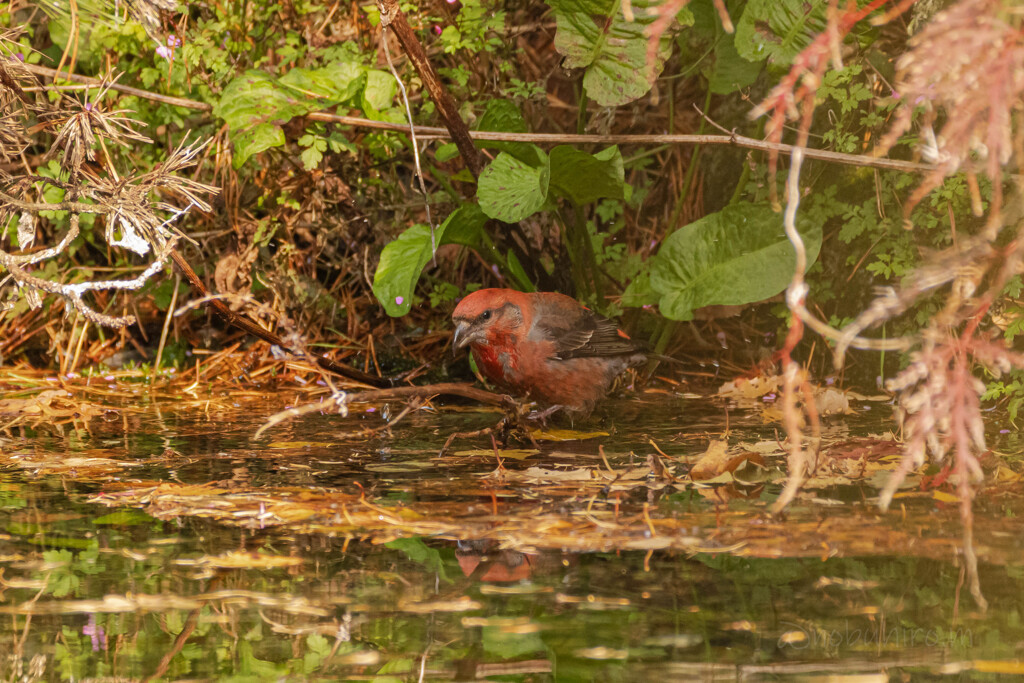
x=437, y=30
x=399, y=300
x=20, y=56
x=371, y=410
x=1004, y=431
x=88, y=106
x=647, y=306
x=653, y=244
x=768, y=397
x=830, y=381
x=173, y=41
x=165, y=52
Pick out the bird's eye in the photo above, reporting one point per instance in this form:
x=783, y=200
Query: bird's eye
x=486, y=315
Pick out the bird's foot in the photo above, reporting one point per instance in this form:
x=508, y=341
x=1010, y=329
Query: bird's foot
x=542, y=416
x=512, y=422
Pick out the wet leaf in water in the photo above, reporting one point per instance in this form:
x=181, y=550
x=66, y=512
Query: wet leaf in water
x=718, y=460
x=565, y=435
x=395, y=467
x=510, y=453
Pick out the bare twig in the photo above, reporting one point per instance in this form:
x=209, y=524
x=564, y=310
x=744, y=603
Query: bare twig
x=431, y=132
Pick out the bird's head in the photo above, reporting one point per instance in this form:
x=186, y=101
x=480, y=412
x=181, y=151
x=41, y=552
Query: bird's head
x=487, y=315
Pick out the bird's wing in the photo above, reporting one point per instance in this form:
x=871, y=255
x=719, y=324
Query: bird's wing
x=579, y=332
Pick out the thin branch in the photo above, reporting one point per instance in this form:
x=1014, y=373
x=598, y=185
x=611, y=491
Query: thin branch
x=432, y=132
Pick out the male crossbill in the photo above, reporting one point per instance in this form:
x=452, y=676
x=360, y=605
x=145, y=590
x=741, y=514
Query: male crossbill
x=544, y=346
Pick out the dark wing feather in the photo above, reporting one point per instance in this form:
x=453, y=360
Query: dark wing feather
x=582, y=333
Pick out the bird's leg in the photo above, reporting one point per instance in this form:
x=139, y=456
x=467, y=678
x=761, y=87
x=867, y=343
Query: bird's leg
x=543, y=415
x=511, y=420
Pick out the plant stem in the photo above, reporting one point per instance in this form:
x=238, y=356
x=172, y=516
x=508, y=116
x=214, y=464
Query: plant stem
x=575, y=256
x=587, y=246
x=691, y=171
x=581, y=114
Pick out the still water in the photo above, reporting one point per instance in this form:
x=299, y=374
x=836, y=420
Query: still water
x=151, y=537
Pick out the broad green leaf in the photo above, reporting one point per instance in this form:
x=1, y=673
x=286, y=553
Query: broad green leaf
x=446, y=152
x=254, y=98
x=402, y=260
x=511, y=190
x=253, y=105
x=503, y=116
x=778, y=30
x=584, y=178
x=736, y=256
x=639, y=293
x=337, y=82
x=611, y=49
x=465, y=225
x=379, y=93
x=254, y=140
x=731, y=72
x=708, y=45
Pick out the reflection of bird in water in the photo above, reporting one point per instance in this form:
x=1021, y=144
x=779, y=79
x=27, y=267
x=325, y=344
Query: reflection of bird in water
x=499, y=566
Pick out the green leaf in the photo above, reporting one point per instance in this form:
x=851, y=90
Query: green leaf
x=379, y=93
x=736, y=256
x=584, y=178
x=503, y=116
x=731, y=72
x=611, y=49
x=510, y=190
x=337, y=82
x=639, y=292
x=253, y=141
x=402, y=261
x=463, y=226
x=311, y=157
x=778, y=29
x=446, y=152
x=254, y=98
x=518, y=273
x=252, y=105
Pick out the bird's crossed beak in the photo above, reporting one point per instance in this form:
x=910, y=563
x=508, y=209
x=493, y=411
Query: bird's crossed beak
x=463, y=335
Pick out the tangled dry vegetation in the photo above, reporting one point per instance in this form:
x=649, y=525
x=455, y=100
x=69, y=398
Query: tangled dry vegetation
x=136, y=209
x=975, y=90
